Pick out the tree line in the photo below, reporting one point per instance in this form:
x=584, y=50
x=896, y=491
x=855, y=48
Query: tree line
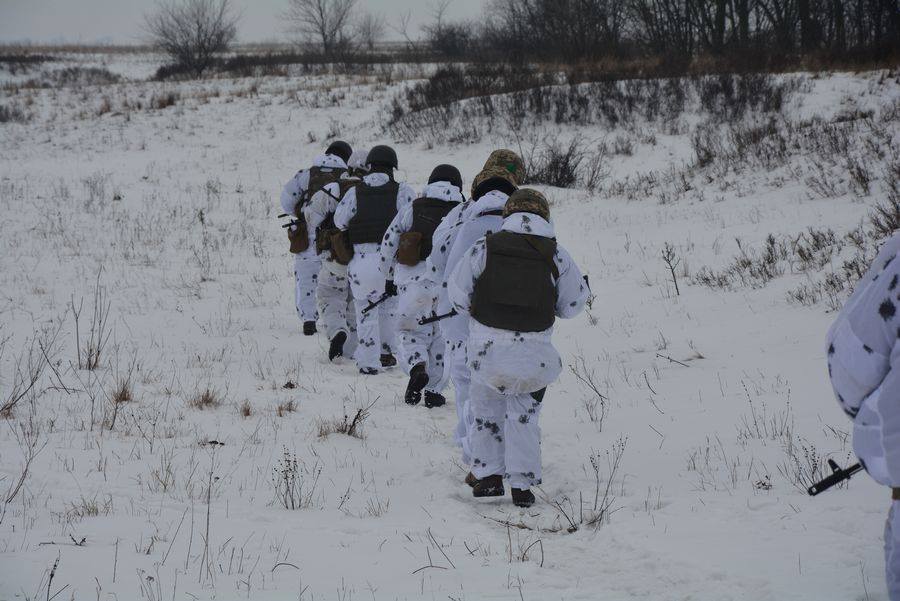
x=752, y=32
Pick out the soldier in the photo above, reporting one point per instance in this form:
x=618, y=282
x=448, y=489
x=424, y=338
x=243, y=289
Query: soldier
x=404, y=252
x=364, y=214
x=502, y=173
x=513, y=284
x=864, y=368
x=294, y=199
x=335, y=299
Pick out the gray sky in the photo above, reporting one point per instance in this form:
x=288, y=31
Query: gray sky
x=118, y=21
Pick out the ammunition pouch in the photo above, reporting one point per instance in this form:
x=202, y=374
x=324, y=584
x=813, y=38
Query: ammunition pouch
x=341, y=249
x=410, y=248
x=298, y=237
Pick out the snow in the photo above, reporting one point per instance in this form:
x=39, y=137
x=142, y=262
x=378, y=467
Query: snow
x=174, y=209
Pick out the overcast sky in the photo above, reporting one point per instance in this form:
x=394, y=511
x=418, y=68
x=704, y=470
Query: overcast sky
x=118, y=21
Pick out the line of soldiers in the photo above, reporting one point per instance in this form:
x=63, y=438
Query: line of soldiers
x=460, y=290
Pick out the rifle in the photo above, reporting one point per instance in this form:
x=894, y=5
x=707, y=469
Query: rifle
x=375, y=303
x=434, y=317
x=838, y=475
x=290, y=223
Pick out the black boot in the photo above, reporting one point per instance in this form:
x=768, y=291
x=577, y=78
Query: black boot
x=388, y=360
x=491, y=486
x=368, y=371
x=433, y=399
x=418, y=379
x=309, y=328
x=471, y=480
x=522, y=498
x=337, y=346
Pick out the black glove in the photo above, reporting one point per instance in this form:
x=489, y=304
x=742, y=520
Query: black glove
x=390, y=288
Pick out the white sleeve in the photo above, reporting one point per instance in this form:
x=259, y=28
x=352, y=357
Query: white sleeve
x=572, y=291
x=293, y=191
x=401, y=224
x=461, y=283
x=442, y=241
x=405, y=196
x=321, y=204
x=345, y=210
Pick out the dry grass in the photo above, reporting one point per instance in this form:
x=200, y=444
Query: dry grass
x=345, y=425
x=245, y=409
x=207, y=399
x=285, y=407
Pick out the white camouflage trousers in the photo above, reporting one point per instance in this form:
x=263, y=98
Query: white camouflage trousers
x=336, y=304
x=892, y=552
x=376, y=330
x=458, y=372
x=306, y=276
x=505, y=437
x=418, y=343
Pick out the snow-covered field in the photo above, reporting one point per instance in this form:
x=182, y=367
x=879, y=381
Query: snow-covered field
x=711, y=392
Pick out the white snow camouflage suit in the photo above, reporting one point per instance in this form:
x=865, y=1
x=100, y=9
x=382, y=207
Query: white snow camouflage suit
x=863, y=347
x=469, y=225
x=376, y=329
x=417, y=295
x=335, y=299
x=506, y=366
x=306, y=264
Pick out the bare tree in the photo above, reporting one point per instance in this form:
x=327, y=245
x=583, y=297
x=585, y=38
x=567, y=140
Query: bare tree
x=192, y=32
x=324, y=22
x=370, y=30
x=402, y=28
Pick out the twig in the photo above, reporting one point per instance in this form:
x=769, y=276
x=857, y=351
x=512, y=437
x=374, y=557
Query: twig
x=671, y=359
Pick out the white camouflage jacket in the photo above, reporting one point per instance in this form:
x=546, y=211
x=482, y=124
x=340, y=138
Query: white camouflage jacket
x=516, y=362
x=864, y=364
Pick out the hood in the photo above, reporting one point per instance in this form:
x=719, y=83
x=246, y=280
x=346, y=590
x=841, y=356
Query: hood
x=376, y=179
x=528, y=223
x=493, y=200
x=329, y=161
x=442, y=191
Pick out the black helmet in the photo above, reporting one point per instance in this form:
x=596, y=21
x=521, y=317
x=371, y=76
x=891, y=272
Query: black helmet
x=382, y=156
x=446, y=173
x=341, y=149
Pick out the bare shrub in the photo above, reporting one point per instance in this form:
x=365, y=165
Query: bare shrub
x=192, y=32
x=12, y=113
x=294, y=482
x=345, y=425
x=164, y=100
x=33, y=361
x=596, y=403
x=555, y=163
x=885, y=216
x=594, y=513
x=803, y=465
x=205, y=399
x=672, y=260
x=99, y=331
x=31, y=442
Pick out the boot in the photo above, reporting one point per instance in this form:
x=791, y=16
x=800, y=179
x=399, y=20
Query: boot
x=471, y=480
x=337, y=346
x=522, y=498
x=418, y=379
x=309, y=328
x=368, y=371
x=388, y=360
x=491, y=486
x=433, y=399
